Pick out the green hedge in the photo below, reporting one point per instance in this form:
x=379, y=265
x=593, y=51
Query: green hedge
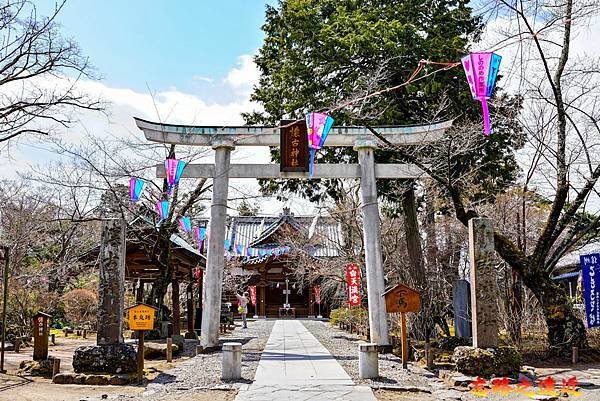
x=347, y=316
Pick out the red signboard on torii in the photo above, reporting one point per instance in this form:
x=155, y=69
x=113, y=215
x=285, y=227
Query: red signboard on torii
x=353, y=277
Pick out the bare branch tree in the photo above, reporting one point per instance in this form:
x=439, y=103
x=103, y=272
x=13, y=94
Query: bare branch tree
x=39, y=73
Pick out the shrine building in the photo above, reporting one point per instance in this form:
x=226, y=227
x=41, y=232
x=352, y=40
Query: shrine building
x=273, y=275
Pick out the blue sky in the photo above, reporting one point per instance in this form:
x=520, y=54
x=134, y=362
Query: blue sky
x=161, y=43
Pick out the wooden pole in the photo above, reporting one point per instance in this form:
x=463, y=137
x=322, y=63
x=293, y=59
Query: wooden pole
x=55, y=367
x=140, y=356
x=404, y=340
x=169, y=349
x=429, y=356
x=575, y=355
x=175, y=306
x=6, y=252
x=169, y=342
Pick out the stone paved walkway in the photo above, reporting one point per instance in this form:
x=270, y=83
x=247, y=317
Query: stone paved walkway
x=295, y=366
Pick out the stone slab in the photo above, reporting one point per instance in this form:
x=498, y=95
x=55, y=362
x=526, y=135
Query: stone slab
x=296, y=366
x=484, y=293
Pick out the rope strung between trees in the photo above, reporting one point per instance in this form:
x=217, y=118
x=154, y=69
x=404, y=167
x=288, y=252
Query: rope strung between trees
x=412, y=78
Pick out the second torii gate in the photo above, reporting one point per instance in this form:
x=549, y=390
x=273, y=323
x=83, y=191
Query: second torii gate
x=224, y=139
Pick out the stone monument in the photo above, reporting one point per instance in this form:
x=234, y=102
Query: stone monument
x=111, y=354
x=484, y=295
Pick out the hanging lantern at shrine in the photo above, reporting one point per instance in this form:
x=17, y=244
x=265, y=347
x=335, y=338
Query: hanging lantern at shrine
x=136, y=186
x=173, y=169
x=318, y=126
x=482, y=69
x=162, y=207
x=185, y=223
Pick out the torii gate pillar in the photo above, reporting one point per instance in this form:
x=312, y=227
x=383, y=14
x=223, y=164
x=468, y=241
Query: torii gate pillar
x=372, y=239
x=215, y=263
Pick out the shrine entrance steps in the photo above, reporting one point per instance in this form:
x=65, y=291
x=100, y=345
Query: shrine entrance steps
x=296, y=366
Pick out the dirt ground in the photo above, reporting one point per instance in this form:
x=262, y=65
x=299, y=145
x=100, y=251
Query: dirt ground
x=38, y=389
x=17, y=388
x=14, y=388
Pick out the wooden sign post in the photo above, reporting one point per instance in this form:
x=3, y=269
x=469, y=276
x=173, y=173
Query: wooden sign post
x=40, y=336
x=141, y=318
x=402, y=299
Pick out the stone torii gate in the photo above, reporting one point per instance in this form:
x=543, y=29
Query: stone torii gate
x=224, y=139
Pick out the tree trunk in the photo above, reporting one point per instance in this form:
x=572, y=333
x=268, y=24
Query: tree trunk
x=424, y=321
x=161, y=283
x=565, y=330
x=516, y=306
x=413, y=238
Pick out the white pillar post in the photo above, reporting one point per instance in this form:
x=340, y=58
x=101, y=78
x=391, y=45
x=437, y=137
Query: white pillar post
x=231, y=364
x=372, y=239
x=211, y=313
x=368, y=361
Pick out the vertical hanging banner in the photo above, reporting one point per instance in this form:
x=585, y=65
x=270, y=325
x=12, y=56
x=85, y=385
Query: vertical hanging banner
x=162, y=207
x=353, y=277
x=136, y=186
x=317, y=294
x=590, y=270
x=200, y=237
x=185, y=223
x=482, y=69
x=173, y=170
x=294, y=147
x=252, y=290
x=198, y=274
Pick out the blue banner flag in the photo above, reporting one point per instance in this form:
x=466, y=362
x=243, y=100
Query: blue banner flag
x=590, y=270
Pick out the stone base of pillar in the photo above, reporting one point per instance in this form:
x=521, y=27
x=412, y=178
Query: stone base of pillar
x=231, y=368
x=368, y=361
x=117, y=358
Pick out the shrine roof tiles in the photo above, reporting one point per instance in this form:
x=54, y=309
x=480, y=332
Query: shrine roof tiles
x=257, y=232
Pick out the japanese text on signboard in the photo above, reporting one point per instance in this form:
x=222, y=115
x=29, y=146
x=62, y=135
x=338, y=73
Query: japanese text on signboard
x=294, y=147
x=141, y=317
x=353, y=277
x=252, y=290
x=590, y=270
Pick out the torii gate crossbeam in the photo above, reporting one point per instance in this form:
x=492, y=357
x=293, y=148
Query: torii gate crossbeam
x=224, y=139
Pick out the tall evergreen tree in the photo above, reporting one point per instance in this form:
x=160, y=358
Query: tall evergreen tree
x=318, y=54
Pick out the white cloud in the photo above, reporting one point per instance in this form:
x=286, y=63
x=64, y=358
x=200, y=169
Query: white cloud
x=171, y=105
x=244, y=77
x=203, y=79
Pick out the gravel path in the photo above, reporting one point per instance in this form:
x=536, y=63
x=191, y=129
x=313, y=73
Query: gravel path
x=344, y=347
x=203, y=372
x=413, y=384
x=394, y=382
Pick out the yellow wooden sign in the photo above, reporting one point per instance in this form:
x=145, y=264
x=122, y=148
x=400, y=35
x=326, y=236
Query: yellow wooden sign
x=141, y=317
